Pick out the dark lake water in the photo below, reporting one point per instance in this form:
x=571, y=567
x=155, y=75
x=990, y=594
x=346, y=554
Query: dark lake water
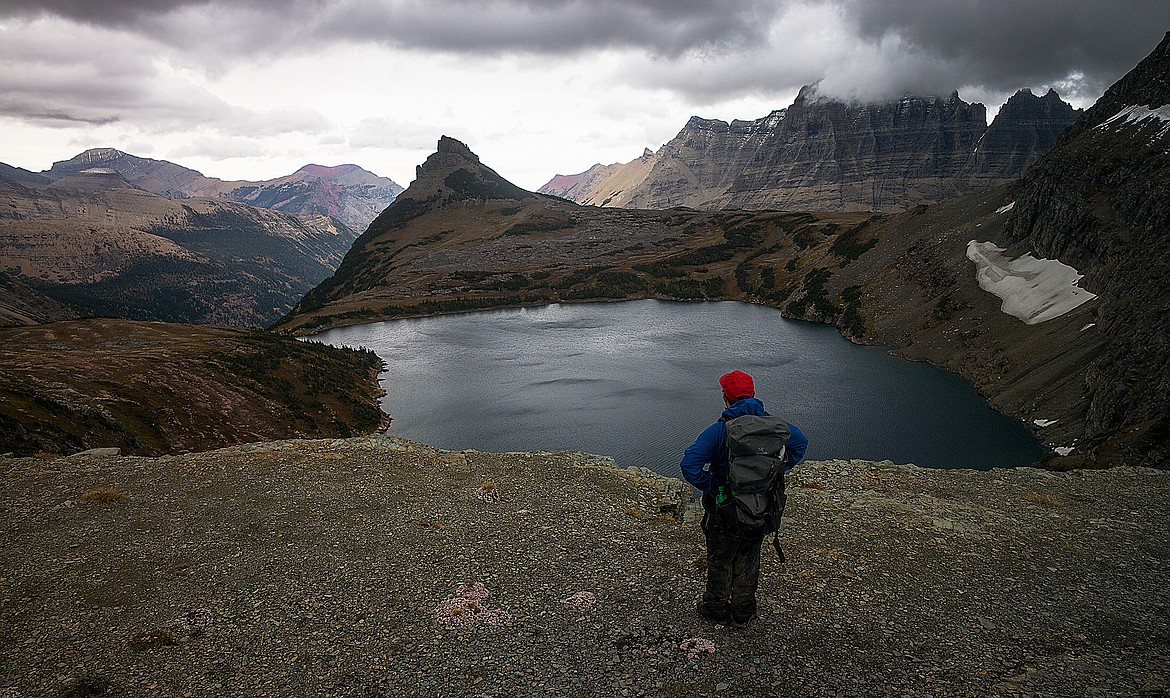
x=639, y=380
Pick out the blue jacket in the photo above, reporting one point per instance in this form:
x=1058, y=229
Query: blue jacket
x=711, y=446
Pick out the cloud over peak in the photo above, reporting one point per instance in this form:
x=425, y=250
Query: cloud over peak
x=603, y=76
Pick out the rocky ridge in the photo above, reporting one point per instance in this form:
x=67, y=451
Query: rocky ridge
x=1101, y=201
x=826, y=155
x=381, y=567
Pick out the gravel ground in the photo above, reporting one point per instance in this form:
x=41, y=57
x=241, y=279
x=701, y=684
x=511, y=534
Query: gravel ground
x=379, y=567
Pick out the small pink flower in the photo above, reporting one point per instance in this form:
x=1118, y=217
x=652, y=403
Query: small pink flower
x=486, y=494
x=581, y=600
x=466, y=608
x=696, y=646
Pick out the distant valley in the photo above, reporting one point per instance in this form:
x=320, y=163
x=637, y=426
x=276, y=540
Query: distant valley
x=107, y=233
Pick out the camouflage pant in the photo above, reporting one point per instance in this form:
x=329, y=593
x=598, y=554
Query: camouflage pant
x=733, y=573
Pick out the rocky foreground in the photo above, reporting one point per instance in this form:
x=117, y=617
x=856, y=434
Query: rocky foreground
x=380, y=567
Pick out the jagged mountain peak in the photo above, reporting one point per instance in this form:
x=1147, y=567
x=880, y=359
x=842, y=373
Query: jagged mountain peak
x=1026, y=127
x=1026, y=95
x=95, y=157
x=454, y=173
x=452, y=146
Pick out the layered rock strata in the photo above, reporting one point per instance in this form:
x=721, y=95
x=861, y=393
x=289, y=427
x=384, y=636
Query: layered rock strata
x=826, y=155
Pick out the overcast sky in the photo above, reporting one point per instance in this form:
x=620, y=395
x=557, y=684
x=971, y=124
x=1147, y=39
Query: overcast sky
x=535, y=87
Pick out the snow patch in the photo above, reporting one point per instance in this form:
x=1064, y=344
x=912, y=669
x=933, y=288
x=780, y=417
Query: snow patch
x=1063, y=450
x=1033, y=290
x=1005, y=209
x=1091, y=324
x=1136, y=113
x=1044, y=422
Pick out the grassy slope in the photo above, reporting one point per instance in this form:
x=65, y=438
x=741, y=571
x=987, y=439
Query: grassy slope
x=152, y=388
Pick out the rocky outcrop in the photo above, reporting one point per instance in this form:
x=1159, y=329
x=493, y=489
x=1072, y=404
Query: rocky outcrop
x=1101, y=201
x=347, y=193
x=826, y=155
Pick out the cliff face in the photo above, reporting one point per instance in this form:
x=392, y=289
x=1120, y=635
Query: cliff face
x=1026, y=127
x=1101, y=200
x=827, y=155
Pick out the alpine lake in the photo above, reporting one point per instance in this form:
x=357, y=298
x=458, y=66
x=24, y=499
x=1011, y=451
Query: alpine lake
x=638, y=380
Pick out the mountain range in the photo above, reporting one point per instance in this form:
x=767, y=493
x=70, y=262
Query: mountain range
x=347, y=193
x=822, y=154
x=107, y=233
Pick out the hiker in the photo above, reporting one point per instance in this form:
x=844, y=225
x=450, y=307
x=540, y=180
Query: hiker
x=733, y=549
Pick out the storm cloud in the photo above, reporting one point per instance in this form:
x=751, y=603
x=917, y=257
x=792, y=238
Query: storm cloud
x=561, y=69
x=662, y=27
x=1007, y=45
x=728, y=47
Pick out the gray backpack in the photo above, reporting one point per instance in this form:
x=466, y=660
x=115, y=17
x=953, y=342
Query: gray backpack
x=752, y=502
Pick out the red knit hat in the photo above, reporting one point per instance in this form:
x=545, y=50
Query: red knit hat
x=736, y=385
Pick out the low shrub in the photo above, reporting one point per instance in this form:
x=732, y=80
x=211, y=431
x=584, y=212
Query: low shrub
x=102, y=495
